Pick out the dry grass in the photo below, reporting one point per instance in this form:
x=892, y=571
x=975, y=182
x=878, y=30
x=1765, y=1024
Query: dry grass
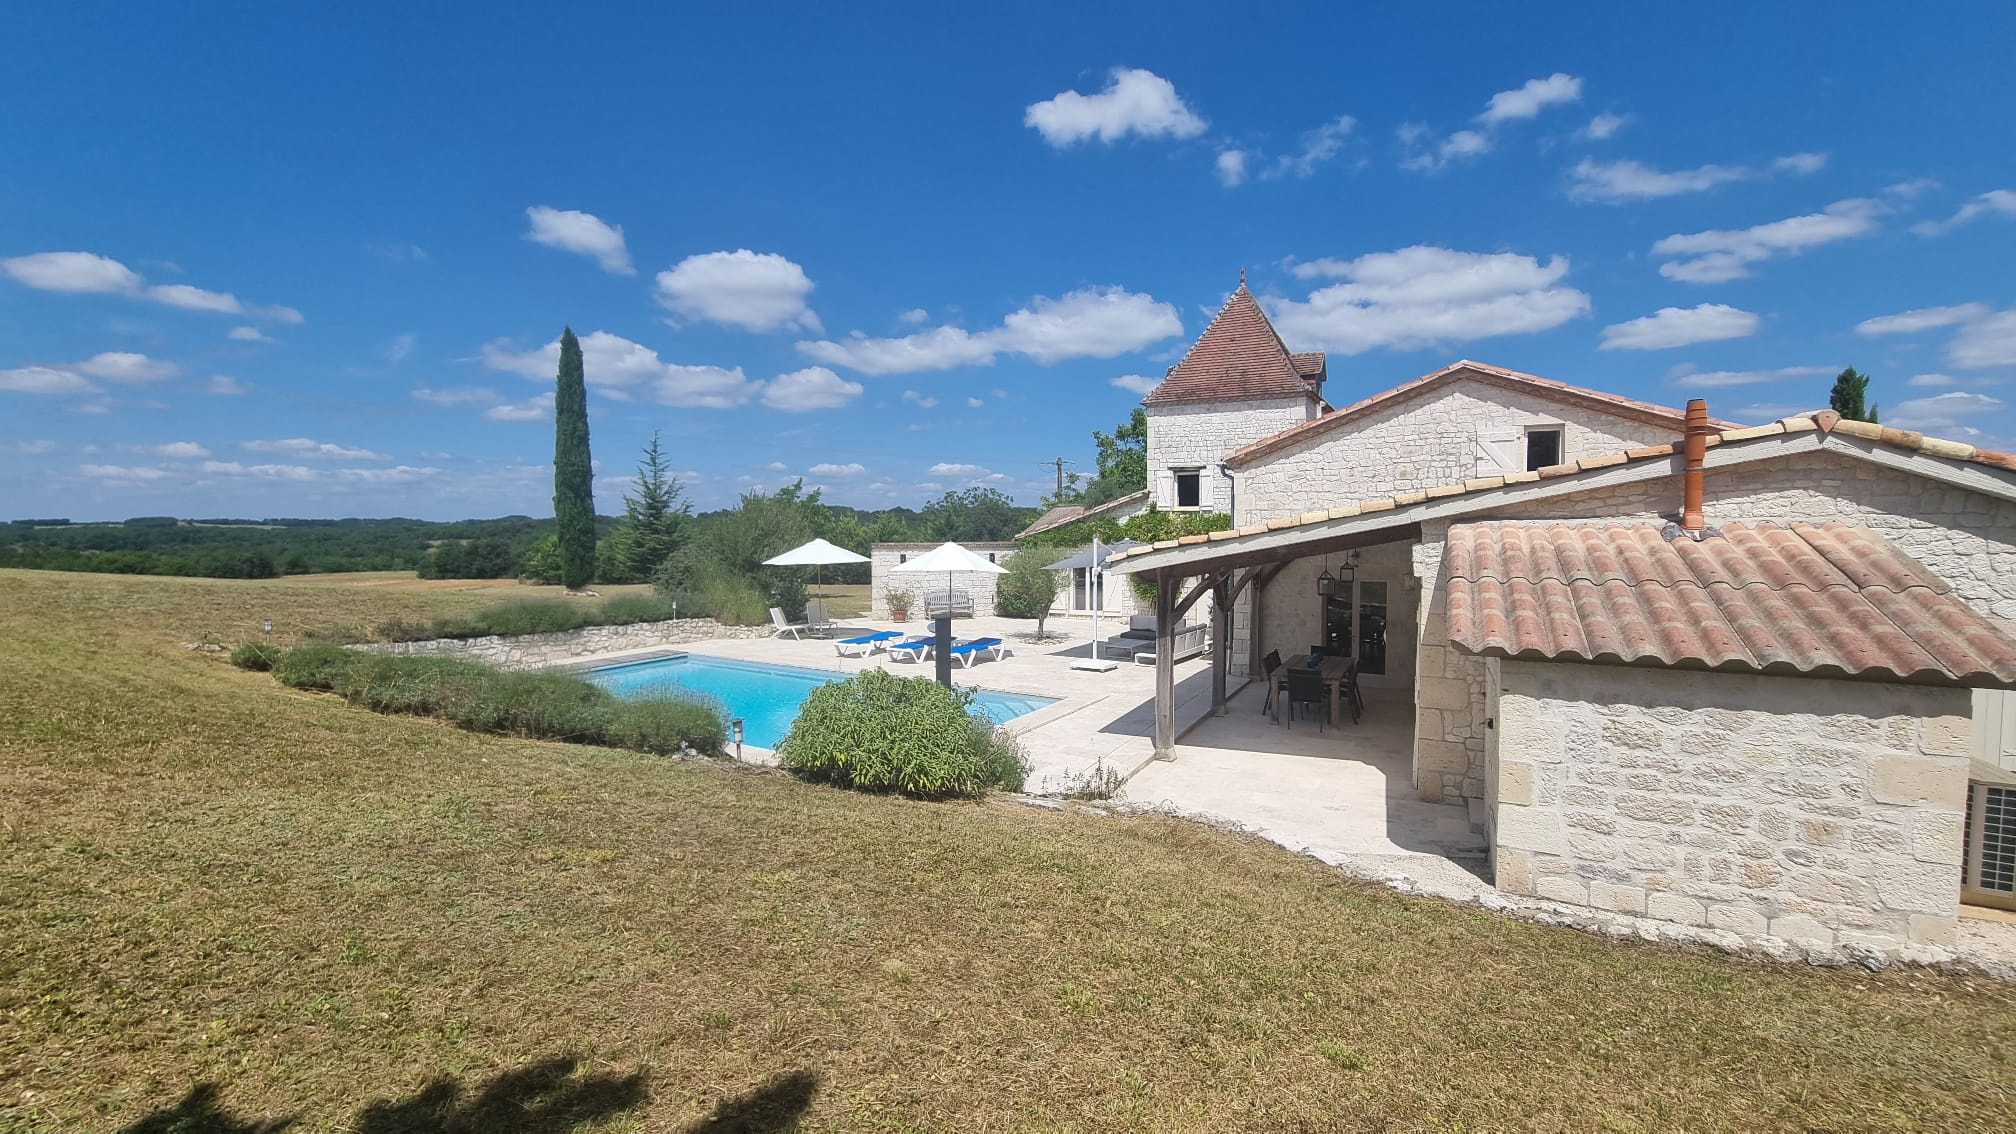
x=205, y=877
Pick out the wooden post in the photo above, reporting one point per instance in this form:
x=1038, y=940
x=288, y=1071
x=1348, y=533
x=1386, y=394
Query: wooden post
x=1221, y=641
x=1166, y=583
x=1255, y=650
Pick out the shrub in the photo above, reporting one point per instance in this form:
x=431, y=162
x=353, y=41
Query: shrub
x=663, y=725
x=532, y=616
x=880, y=732
x=623, y=610
x=258, y=656
x=545, y=706
x=405, y=630
x=427, y=686
x=334, y=635
x=314, y=666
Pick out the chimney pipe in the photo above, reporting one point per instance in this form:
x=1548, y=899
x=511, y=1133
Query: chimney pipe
x=1695, y=447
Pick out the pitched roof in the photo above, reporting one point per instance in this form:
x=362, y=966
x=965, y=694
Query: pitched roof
x=1071, y=513
x=1495, y=375
x=1237, y=358
x=1821, y=600
x=1406, y=504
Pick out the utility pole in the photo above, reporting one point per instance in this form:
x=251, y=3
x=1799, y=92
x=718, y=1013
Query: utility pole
x=1060, y=463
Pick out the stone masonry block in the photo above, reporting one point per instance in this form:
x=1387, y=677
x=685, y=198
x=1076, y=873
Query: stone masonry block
x=1444, y=693
x=1512, y=870
x=1674, y=908
x=1611, y=896
x=1535, y=829
x=1737, y=919
x=1432, y=756
x=1571, y=890
x=1919, y=781
x=1946, y=736
x=1919, y=887
x=1928, y=929
x=1802, y=930
x=1515, y=782
x=1936, y=836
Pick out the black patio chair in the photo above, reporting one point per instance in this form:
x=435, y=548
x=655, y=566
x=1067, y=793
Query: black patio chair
x=1272, y=664
x=1307, y=687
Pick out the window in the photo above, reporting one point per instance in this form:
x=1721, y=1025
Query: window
x=1543, y=447
x=902, y=559
x=990, y=557
x=1189, y=488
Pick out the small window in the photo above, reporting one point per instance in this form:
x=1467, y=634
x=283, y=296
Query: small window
x=1189, y=488
x=1543, y=448
x=990, y=557
x=902, y=559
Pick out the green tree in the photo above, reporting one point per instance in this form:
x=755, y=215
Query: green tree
x=1123, y=461
x=573, y=469
x=976, y=514
x=1850, y=397
x=1029, y=588
x=654, y=521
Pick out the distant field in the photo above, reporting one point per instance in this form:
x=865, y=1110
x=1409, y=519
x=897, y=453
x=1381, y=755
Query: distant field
x=254, y=904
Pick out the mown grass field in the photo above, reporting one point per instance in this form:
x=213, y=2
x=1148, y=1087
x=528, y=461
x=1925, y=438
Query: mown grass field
x=364, y=922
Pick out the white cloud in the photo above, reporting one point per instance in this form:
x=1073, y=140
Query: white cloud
x=1681, y=326
x=1136, y=383
x=1989, y=341
x=1952, y=414
x=1614, y=182
x=1530, y=99
x=401, y=347
x=1932, y=381
x=30, y=448
x=953, y=470
x=1134, y=102
x=100, y=406
x=89, y=272
x=534, y=409
x=777, y=466
x=247, y=335
x=1603, y=127
x=919, y=399
x=582, y=233
x=616, y=366
x=813, y=388
x=305, y=447
x=72, y=271
x=123, y=473
x=44, y=380
x=1771, y=411
x=1718, y=255
x=1995, y=202
x=224, y=384
x=1089, y=323
x=174, y=450
x=1721, y=379
x=1434, y=158
x=1318, y=146
x=456, y=396
x=1922, y=319
x=755, y=291
x=914, y=317
x=975, y=403
x=397, y=474
x=260, y=472
x=1426, y=296
x=125, y=366
x=401, y=253
x=849, y=469
x=1231, y=167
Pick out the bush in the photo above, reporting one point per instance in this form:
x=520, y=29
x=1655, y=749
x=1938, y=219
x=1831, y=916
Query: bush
x=533, y=616
x=544, y=706
x=425, y=686
x=623, y=610
x=404, y=630
x=663, y=725
x=880, y=732
x=334, y=635
x=258, y=656
x=314, y=666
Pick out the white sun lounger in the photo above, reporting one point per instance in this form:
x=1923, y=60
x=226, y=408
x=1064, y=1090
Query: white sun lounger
x=780, y=626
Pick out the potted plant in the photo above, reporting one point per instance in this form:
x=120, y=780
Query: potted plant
x=900, y=602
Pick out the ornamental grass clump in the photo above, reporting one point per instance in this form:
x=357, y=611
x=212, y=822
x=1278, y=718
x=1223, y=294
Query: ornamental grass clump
x=315, y=666
x=256, y=656
x=422, y=686
x=667, y=726
x=543, y=706
x=879, y=732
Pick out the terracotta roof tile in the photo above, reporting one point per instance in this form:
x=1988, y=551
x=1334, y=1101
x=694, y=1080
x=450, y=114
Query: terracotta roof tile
x=1827, y=600
x=1237, y=358
x=1071, y=513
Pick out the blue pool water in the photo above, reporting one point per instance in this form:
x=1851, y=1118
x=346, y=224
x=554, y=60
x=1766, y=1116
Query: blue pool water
x=766, y=697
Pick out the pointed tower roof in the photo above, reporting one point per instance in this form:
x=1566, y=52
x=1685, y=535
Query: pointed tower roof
x=1239, y=358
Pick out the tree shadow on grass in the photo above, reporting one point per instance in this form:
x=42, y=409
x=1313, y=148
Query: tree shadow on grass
x=545, y=1097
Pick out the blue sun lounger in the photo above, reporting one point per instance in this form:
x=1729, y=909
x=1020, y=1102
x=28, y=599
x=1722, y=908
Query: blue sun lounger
x=967, y=652
x=863, y=645
x=916, y=649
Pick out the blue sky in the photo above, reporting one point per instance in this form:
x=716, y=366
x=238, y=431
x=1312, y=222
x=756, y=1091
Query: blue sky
x=256, y=262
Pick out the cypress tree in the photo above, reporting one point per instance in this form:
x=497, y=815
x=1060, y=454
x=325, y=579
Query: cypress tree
x=573, y=472
x=1849, y=397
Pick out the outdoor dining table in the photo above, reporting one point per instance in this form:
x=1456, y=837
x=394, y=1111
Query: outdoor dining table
x=1340, y=676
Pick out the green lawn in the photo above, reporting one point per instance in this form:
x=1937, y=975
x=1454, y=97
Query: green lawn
x=208, y=879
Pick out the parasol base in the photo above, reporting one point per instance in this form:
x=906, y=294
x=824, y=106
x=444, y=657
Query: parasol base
x=1096, y=665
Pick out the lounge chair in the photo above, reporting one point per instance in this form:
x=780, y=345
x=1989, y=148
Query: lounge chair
x=966, y=652
x=781, y=626
x=916, y=649
x=861, y=645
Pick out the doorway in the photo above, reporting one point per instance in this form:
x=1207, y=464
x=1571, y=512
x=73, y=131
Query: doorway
x=1354, y=623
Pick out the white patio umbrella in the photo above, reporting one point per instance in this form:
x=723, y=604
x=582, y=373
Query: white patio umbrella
x=814, y=555
x=950, y=558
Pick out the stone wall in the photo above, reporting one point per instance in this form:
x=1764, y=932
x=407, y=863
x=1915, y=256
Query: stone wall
x=1199, y=435
x=1816, y=811
x=1450, y=691
x=1966, y=538
x=1424, y=442
x=884, y=557
x=1291, y=614
x=535, y=651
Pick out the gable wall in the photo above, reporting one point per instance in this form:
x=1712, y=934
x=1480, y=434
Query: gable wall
x=1199, y=434
x=1422, y=442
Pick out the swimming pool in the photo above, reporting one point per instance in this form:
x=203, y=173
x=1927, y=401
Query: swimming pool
x=766, y=697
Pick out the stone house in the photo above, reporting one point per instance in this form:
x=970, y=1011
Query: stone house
x=1745, y=678
x=884, y=557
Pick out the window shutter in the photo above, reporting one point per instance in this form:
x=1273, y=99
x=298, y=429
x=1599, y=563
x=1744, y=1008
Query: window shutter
x=1501, y=451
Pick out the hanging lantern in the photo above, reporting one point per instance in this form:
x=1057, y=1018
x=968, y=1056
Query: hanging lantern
x=1326, y=583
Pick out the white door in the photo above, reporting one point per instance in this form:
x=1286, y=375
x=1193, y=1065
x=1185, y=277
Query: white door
x=1995, y=728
